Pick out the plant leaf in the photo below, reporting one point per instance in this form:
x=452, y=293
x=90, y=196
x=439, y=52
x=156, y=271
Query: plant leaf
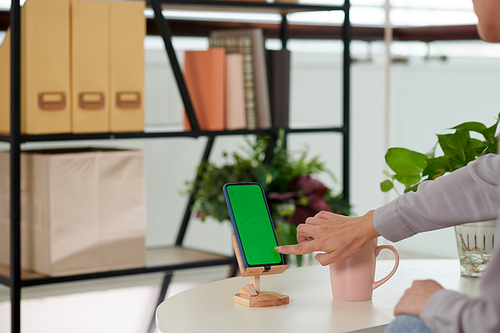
x=405, y=162
x=455, y=144
x=408, y=181
x=386, y=185
x=473, y=126
x=437, y=167
x=489, y=133
x=411, y=188
x=432, y=153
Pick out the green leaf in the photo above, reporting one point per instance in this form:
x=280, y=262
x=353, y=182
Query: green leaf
x=408, y=181
x=432, y=153
x=411, y=188
x=489, y=133
x=472, y=126
x=386, y=185
x=437, y=167
x=455, y=144
x=405, y=162
x=443, y=143
x=477, y=144
x=456, y=163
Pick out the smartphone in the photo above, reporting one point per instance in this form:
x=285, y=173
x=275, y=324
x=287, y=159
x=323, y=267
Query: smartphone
x=252, y=224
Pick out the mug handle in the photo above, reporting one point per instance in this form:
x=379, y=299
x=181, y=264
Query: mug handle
x=379, y=248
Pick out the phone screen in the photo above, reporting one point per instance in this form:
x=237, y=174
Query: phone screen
x=253, y=223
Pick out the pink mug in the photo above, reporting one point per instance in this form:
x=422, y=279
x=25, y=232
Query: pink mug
x=353, y=278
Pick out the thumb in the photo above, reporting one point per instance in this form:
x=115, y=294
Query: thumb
x=326, y=258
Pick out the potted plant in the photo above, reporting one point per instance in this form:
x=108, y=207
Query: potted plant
x=289, y=182
x=411, y=168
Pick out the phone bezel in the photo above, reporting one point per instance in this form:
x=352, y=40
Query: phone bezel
x=235, y=227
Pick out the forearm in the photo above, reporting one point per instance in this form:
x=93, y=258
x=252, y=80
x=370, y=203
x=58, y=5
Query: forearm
x=451, y=312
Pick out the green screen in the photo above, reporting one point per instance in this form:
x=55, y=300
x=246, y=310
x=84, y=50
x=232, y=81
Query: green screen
x=253, y=223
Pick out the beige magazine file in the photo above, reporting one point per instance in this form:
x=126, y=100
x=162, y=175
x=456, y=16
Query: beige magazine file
x=107, y=42
x=90, y=65
x=45, y=69
x=127, y=32
x=251, y=295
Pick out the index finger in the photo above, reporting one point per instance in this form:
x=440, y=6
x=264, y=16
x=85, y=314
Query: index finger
x=302, y=248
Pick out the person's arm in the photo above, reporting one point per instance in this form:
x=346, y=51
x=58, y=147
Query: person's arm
x=466, y=195
x=336, y=236
x=474, y=197
x=450, y=312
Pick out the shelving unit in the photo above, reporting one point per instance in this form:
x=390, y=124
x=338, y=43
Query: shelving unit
x=176, y=257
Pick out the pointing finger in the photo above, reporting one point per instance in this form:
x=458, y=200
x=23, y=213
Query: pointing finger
x=302, y=248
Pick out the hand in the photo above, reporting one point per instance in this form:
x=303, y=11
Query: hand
x=416, y=297
x=337, y=236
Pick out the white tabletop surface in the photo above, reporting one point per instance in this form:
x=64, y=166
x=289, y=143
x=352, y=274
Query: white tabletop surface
x=210, y=307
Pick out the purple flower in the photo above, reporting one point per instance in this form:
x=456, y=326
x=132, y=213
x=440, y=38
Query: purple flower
x=304, y=187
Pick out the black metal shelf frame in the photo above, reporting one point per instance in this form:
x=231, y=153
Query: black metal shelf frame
x=123, y=272
x=248, y=6
x=15, y=139
x=160, y=135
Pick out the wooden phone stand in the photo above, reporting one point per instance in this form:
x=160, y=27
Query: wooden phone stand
x=251, y=295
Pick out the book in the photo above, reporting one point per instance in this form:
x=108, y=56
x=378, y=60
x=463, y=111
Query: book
x=235, y=92
x=204, y=73
x=278, y=65
x=242, y=45
x=259, y=68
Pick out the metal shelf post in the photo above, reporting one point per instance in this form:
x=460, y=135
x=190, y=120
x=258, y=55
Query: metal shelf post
x=15, y=167
x=346, y=37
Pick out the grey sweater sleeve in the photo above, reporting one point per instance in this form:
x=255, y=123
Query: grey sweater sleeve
x=470, y=194
x=451, y=312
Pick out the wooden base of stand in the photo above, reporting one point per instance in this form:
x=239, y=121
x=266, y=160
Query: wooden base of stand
x=262, y=299
x=250, y=295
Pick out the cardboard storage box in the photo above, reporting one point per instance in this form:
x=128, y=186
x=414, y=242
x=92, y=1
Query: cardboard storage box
x=82, y=210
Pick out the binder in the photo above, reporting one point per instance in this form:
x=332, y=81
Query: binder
x=5, y=84
x=45, y=68
x=90, y=66
x=204, y=73
x=127, y=32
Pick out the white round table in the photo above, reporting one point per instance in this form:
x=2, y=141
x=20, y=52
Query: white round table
x=210, y=307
